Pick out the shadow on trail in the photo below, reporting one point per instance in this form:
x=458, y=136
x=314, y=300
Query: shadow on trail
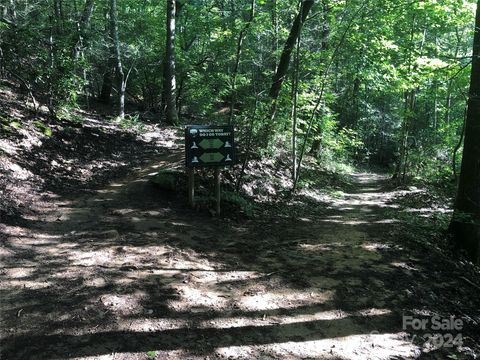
x=198, y=341
x=132, y=270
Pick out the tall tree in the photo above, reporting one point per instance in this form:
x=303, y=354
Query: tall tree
x=241, y=36
x=170, y=107
x=78, y=51
x=465, y=225
x=282, y=67
x=358, y=60
x=108, y=69
x=118, y=58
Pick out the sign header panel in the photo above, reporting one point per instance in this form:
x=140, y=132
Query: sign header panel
x=209, y=146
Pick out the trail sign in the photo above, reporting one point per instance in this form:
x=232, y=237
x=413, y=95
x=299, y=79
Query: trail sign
x=209, y=146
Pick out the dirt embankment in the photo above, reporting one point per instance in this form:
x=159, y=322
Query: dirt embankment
x=40, y=159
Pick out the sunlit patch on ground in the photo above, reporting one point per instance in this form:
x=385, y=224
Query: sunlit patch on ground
x=282, y=300
x=403, y=265
x=321, y=247
x=375, y=246
x=264, y=320
x=133, y=274
x=24, y=284
x=195, y=298
x=124, y=305
x=383, y=346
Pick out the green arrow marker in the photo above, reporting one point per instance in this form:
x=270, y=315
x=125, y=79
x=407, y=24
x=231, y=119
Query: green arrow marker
x=211, y=144
x=211, y=157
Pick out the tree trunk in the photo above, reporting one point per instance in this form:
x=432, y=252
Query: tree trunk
x=457, y=147
x=448, y=101
x=409, y=108
x=465, y=225
x=51, y=65
x=295, y=110
x=241, y=36
x=57, y=5
x=118, y=59
x=275, y=33
x=282, y=67
x=78, y=51
x=401, y=166
x=107, y=84
x=435, y=110
x=109, y=69
x=316, y=148
x=169, y=85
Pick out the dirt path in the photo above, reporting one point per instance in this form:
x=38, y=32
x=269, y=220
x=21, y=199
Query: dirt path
x=131, y=273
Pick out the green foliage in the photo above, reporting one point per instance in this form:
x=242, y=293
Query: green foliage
x=347, y=144
x=15, y=124
x=331, y=178
x=463, y=217
x=9, y=125
x=245, y=205
x=337, y=194
x=131, y=122
x=68, y=113
x=357, y=60
x=151, y=354
x=167, y=179
x=43, y=128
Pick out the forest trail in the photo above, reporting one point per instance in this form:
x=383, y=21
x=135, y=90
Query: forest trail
x=130, y=273
x=98, y=264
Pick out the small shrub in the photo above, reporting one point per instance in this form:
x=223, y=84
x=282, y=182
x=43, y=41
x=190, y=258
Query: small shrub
x=130, y=122
x=8, y=125
x=66, y=113
x=151, y=354
x=43, y=128
x=238, y=200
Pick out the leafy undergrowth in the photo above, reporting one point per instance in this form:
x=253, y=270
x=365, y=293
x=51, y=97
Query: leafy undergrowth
x=423, y=216
x=268, y=183
x=428, y=211
x=425, y=213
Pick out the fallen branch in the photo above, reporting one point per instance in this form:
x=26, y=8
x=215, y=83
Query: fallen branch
x=470, y=282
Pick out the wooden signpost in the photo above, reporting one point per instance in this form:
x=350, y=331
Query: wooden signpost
x=208, y=146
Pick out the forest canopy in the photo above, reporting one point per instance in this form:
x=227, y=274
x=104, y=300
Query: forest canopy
x=377, y=81
x=240, y=179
